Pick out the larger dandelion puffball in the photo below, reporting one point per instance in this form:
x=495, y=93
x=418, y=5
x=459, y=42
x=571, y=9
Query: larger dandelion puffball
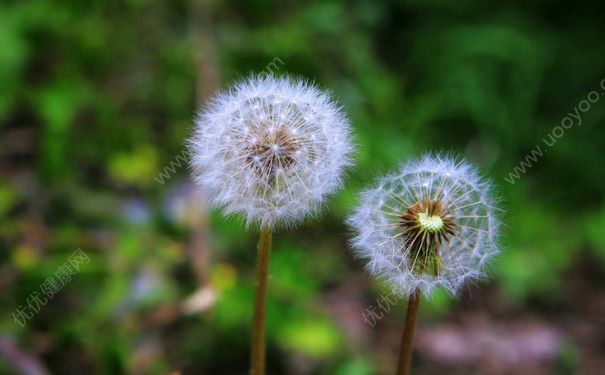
x=432, y=224
x=271, y=149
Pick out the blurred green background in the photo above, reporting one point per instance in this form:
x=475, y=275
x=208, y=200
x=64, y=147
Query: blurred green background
x=97, y=99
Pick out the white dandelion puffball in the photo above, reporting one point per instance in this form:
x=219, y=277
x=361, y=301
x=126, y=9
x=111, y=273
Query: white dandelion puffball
x=431, y=225
x=271, y=149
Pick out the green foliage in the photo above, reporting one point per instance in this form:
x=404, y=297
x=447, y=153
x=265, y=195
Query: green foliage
x=97, y=97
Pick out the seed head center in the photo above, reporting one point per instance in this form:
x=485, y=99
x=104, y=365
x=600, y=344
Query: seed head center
x=272, y=151
x=426, y=224
x=431, y=224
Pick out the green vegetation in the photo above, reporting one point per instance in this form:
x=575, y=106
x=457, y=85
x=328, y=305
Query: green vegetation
x=97, y=99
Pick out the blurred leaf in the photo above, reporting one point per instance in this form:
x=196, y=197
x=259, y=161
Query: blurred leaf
x=315, y=338
x=594, y=226
x=8, y=198
x=137, y=167
x=356, y=366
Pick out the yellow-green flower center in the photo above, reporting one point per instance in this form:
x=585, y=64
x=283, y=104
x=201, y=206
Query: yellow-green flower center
x=431, y=224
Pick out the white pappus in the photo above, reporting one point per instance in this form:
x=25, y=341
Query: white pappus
x=432, y=224
x=271, y=149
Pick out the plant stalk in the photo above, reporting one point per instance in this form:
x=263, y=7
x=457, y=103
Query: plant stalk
x=407, y=339
x=257, y=361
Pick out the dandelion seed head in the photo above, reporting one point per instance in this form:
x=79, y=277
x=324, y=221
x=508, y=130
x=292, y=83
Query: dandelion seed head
x=271, y=149
x=433, y=224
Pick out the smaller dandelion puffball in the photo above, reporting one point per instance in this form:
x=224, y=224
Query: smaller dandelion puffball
x=432, y=224
x=271, y=149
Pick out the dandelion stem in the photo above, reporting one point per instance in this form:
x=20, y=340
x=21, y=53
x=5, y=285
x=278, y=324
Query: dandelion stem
x=257, y=364
x=407, y=339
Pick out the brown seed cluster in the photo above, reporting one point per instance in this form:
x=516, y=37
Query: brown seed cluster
x=273, y=151
x=423, y=244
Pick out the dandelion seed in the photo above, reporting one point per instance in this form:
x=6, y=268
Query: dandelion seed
x=431, y=225
x=271, y=149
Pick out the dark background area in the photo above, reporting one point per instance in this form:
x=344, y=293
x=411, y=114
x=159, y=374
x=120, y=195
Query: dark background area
x=97, y=99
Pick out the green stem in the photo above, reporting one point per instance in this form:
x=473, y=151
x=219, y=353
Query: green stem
x=257, y=362
x=407, y=339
